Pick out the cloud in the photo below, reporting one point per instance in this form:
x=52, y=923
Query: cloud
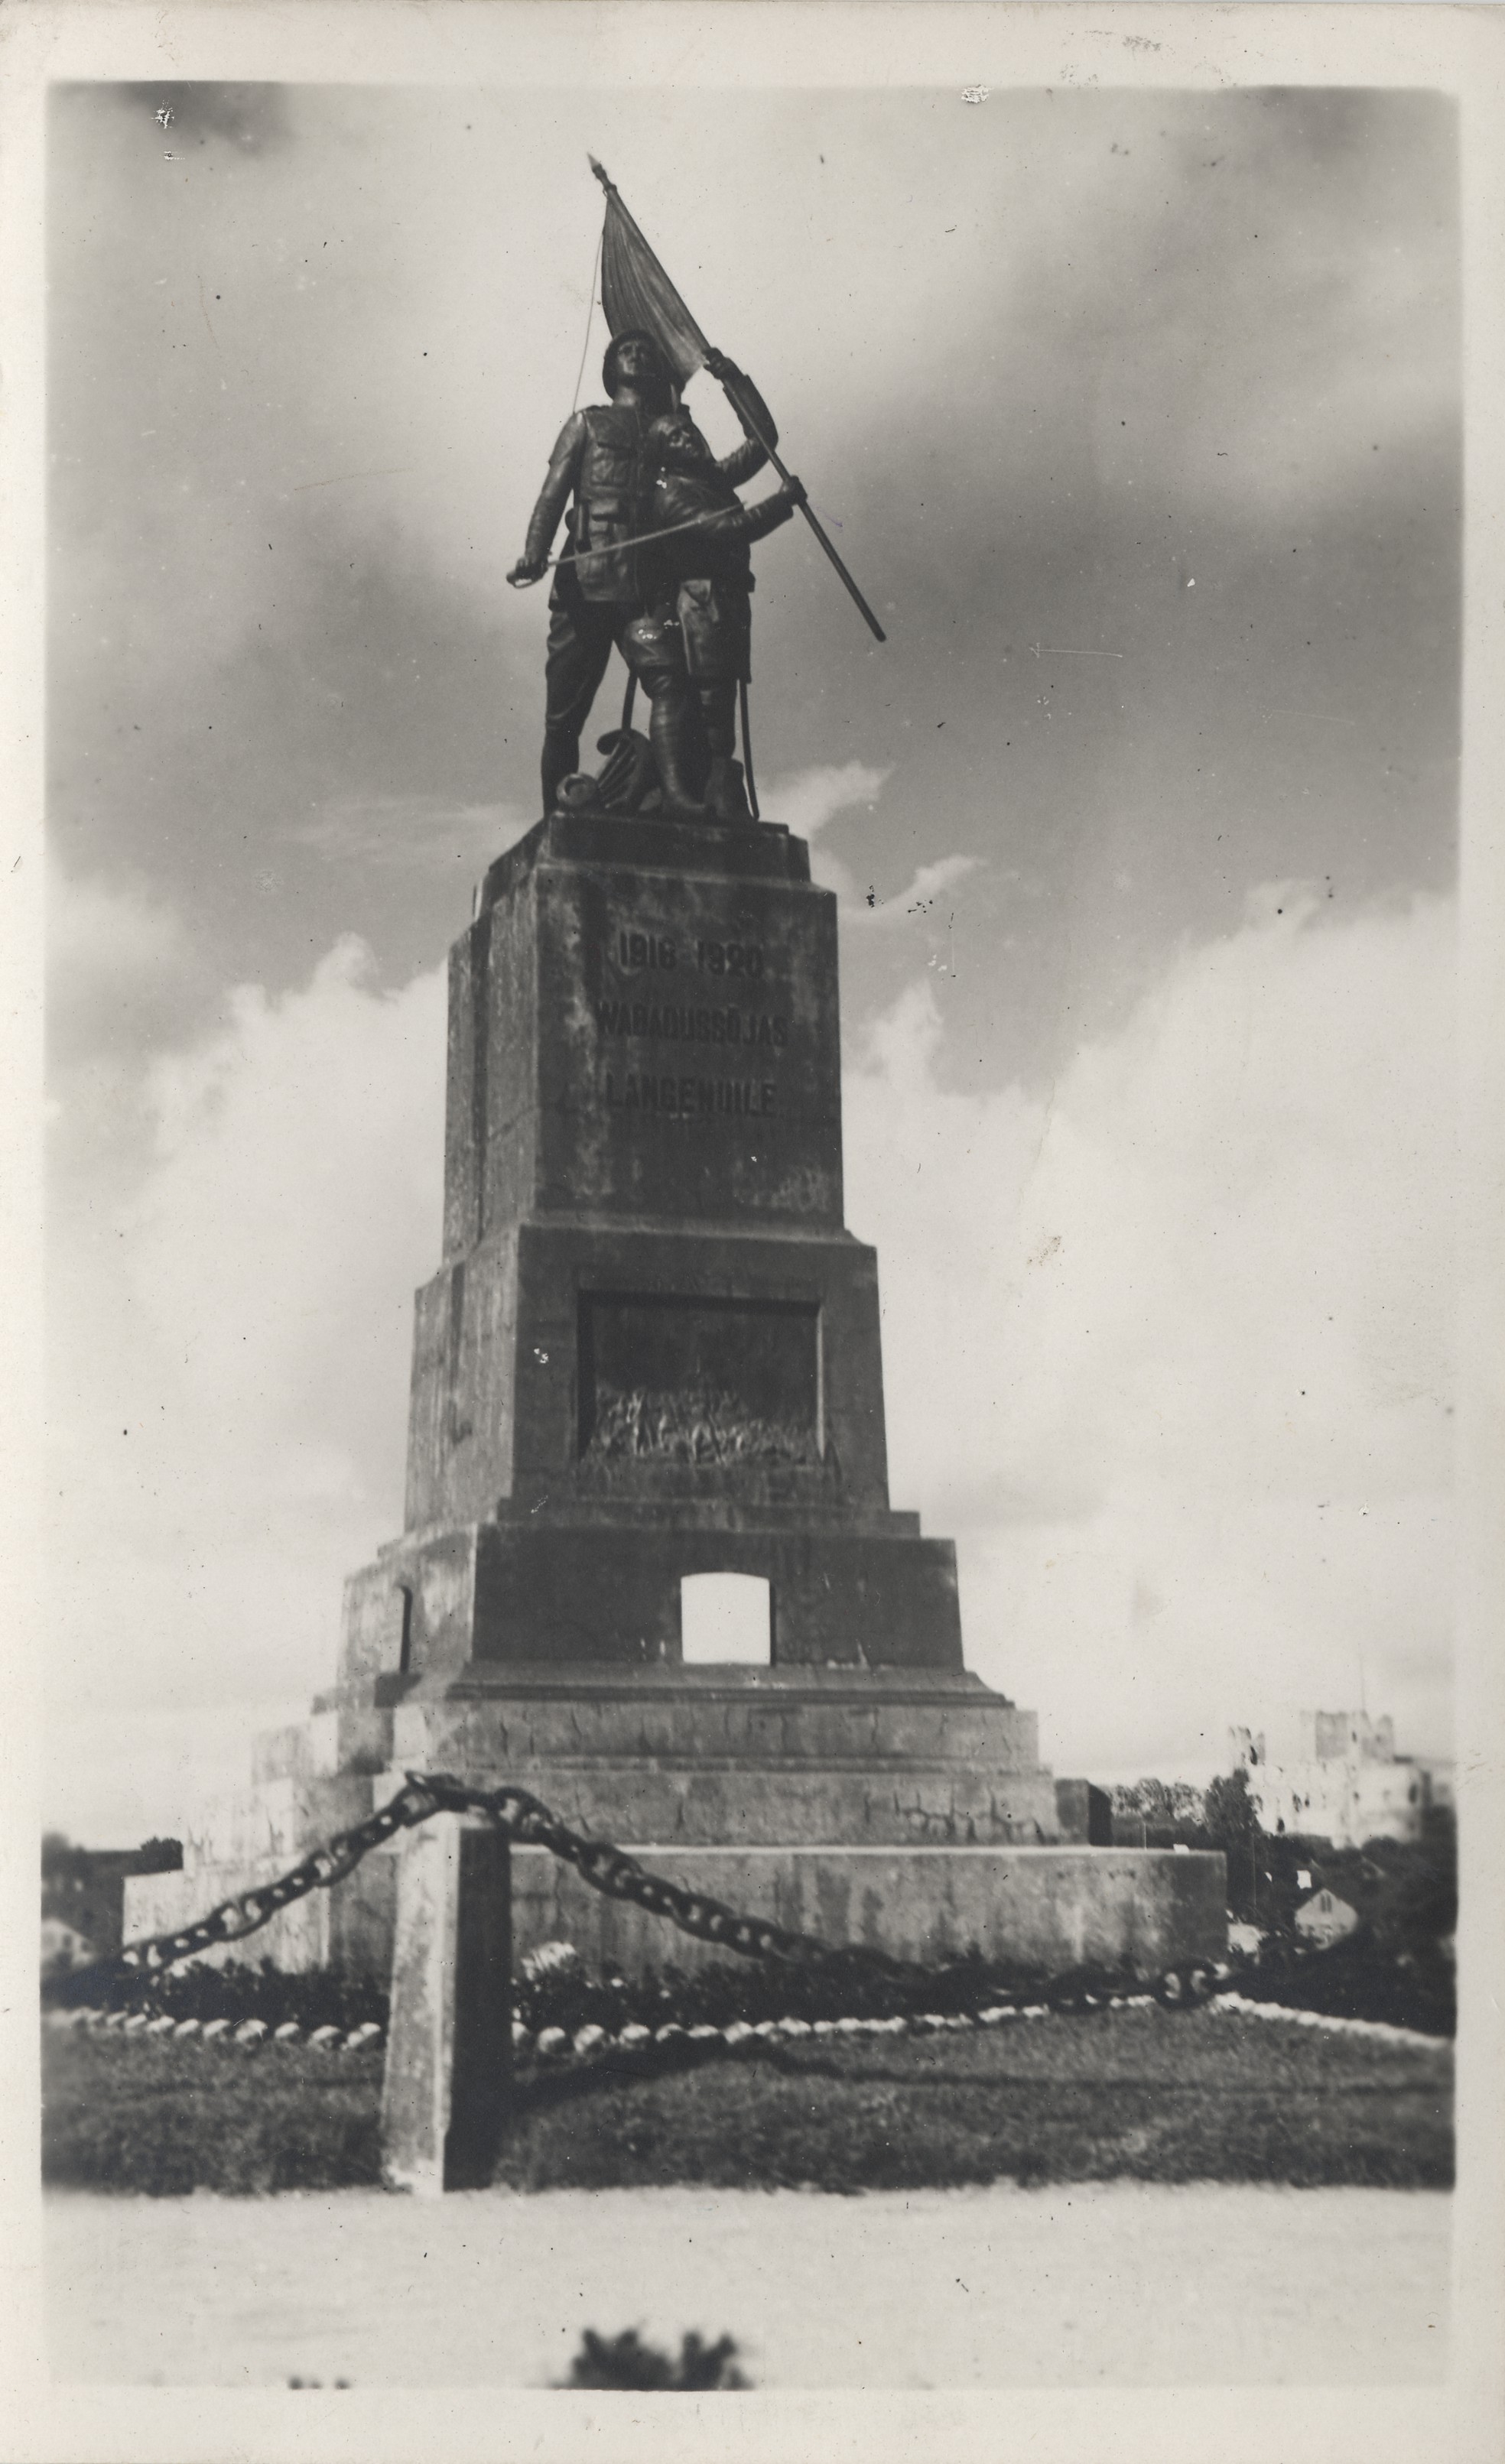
x=301, y=393
x=923, y=896
x=305, y=1121
x=227, y=1374
x=117, y=955
x=806, y=799
x=415, y=831
x=1166, y=1351
x=122, y=972
x=1168, y=1348
x=97, y=929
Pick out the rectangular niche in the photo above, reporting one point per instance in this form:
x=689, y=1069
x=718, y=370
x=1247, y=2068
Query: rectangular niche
x=717, y=1384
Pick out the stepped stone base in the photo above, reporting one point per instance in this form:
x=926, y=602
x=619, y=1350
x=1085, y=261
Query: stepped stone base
x=908, y=1813
x=720, y=1757
x=1053, y=1908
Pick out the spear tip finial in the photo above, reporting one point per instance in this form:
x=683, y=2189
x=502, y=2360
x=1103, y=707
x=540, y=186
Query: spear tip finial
x=599, y=169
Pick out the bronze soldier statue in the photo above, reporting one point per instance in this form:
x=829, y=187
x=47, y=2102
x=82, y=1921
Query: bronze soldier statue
x=598, y=461
x=699, y=623
x=600, y=584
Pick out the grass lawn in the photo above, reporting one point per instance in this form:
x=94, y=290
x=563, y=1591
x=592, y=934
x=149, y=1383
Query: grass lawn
x=127, y=2113
x=1137, y=2094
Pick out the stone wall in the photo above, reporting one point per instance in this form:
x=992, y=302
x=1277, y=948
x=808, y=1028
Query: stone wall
x=1051, y=1907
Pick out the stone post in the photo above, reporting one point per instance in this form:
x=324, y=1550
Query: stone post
x=449, y=2042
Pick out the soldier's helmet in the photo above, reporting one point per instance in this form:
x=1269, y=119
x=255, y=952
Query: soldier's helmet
x=612, y=369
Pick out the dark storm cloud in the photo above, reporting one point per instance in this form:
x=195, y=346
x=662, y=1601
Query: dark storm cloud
x=1180, y=613
x=362, y=682
x=1135, y=414
x=1228, y=704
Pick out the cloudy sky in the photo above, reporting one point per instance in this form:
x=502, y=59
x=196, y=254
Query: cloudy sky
x=1136, y=415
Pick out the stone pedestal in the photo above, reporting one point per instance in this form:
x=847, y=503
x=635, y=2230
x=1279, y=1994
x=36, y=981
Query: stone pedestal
x=651, y=1352
x=653, y=1347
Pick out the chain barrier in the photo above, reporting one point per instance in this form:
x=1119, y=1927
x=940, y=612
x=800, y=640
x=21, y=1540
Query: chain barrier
x=529, y=1823
x=610, y=1870
x=233, y=1919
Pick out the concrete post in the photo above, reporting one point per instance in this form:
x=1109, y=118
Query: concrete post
x=448, y=2041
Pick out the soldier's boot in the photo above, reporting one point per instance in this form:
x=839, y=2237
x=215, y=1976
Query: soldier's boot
x=681, y=774
x=560, y=760
x=726, y=791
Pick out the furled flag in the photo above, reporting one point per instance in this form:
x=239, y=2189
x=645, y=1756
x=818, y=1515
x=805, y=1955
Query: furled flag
x=636, y=293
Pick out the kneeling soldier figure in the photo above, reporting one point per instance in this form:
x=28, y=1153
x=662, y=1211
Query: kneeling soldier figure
x=699, y=615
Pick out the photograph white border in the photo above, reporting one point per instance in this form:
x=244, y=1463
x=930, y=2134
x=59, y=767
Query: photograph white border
x=639, y=44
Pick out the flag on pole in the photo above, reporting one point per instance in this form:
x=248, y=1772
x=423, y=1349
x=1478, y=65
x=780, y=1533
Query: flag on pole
x=637, y=293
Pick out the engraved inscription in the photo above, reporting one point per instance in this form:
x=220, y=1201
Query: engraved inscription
x=687, y=1097
x=742, y=1032
x=728, y=958
x=636, y=953
x=677, y=1022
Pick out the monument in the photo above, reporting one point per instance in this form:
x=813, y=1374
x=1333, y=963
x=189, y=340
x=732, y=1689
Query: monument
x=651, y=1353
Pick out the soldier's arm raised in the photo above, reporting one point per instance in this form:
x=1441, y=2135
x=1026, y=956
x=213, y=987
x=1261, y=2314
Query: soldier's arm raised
x=554, y=496
x=756, y=420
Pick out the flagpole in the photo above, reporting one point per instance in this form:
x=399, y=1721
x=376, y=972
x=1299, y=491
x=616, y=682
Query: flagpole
x=710, y=354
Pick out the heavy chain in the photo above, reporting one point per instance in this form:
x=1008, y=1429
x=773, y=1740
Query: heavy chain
x=250, y=1911
x=529, y=1823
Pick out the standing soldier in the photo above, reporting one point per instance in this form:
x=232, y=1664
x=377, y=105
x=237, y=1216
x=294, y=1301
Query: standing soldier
x=599, y=586
x=598, y=460
x=700, y=612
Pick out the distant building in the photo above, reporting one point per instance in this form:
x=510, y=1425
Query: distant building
x=1325, y=1919
x=1440, y=1776
x=1334, y=1775
x=84, y=1888
x=64, y=1945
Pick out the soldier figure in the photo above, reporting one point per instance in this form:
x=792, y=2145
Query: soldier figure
x=700, y=613
x=601, y=587
x=598, y=460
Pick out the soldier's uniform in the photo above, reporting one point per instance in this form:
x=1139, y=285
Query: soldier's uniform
x=598, y=461
x=702, y=578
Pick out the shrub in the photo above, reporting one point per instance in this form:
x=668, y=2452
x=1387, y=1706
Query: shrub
x=753, y=1991
x=625, y=2361
x=1358, y=1979
x=315, y=1999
